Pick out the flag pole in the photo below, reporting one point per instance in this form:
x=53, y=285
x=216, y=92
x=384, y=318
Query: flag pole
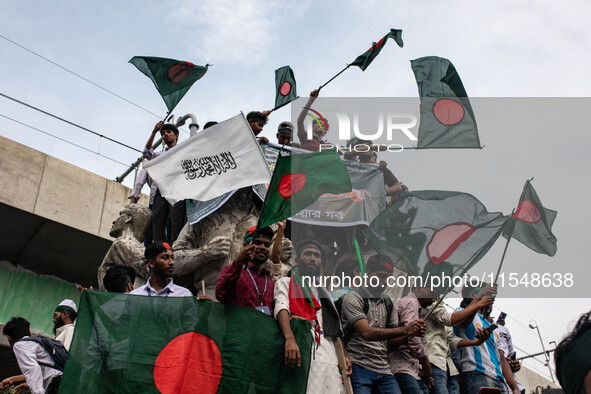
x=256, y=230
x=504, y=252
x=339, y=73
x=436, y=304
x=502, y=259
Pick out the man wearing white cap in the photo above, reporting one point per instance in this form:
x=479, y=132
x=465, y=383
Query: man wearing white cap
x=63, y=322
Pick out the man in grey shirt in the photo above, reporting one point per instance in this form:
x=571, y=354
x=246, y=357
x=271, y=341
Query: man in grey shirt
x=374, y=322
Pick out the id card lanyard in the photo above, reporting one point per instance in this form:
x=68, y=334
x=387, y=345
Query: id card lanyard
x=256, y=287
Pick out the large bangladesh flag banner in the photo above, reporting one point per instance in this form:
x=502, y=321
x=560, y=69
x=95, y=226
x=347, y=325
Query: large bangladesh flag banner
x=141, y=344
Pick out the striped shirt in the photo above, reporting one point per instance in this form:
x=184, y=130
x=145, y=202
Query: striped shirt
x=484, y=358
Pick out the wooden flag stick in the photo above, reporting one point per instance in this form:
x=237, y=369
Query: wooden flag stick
x=340, y=347
x=330, y=80
x=202, y=287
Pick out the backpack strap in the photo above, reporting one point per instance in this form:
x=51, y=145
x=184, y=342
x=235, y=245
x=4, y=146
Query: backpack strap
x=389, y=307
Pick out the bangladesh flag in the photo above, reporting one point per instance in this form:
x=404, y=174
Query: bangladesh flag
x=140, y=344
x=532, y=223
x=299, y=180
x=285, y=84
x=364, y=60
x=172, y=78
x=435, y=232
x=447, y=119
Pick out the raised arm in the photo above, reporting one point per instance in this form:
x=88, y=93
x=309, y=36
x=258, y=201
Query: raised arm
x=467, y=315
x=300, y=122
x=225, y=289
x=157, y=128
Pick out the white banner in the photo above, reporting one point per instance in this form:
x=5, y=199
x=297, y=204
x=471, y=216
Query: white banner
x=217, y=160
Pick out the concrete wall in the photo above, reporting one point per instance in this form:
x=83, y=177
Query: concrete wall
x=53, y=189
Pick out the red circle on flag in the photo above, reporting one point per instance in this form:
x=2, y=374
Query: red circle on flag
x=527, y=212
x=190, y=363
x=290, y=184
x=179, y=71
x=448, y=112
x=285, y=88
x=446, y=240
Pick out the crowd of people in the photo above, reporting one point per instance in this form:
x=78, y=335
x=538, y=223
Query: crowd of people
x=362, y=337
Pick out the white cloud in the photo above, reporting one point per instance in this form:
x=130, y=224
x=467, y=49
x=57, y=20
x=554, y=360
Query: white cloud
x=233, y=31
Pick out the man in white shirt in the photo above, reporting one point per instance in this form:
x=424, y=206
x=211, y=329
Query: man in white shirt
x=160, y=259
x=34, y=361
x=63, y=322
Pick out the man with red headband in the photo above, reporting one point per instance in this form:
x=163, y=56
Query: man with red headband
x=375, y=321
x=160, y=259
x=246, y=282
x=294, y=297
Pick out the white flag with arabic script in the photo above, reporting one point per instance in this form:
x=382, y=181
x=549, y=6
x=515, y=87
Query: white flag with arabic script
x=222, y=158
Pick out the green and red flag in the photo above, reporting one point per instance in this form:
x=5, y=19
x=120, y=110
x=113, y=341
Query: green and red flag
x=285, y=85
x=447, y=119
x=299, y=180
x=302, y=302
x=531, y=224
x=434, y=232
x=173, y=78
x=140, y=344
x=364, y=60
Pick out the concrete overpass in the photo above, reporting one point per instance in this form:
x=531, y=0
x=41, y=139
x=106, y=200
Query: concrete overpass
x=55, y=221
x=56, y=216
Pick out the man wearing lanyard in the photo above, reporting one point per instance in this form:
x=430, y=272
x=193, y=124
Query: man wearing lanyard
x=245, y=282
x=160, y=259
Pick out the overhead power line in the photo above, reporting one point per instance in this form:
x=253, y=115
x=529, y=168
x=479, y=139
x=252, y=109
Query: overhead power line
x=63, y=140
x=84, y=78
x=78, y=75
x=70, y=123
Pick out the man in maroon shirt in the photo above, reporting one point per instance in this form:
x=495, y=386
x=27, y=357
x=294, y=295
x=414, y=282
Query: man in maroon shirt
x=245, y=282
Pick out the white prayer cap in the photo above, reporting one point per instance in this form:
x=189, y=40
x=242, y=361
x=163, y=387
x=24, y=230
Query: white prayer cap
x=67, y=303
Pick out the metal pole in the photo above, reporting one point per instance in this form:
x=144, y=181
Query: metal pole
x=543, y=348
x=135, y=164
x=535, y=354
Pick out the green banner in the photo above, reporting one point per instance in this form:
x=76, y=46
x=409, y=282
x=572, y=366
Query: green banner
x=34, y=297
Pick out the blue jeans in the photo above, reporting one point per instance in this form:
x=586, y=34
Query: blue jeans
x=453, y=386
x=472, y=381
x=409, y=385
x=444, y=383
x=440, y=378
x=367, y=382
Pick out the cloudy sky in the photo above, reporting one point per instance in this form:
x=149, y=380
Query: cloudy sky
x=502, y=49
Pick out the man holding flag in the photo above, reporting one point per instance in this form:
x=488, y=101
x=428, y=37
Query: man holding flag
x=161, y=208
